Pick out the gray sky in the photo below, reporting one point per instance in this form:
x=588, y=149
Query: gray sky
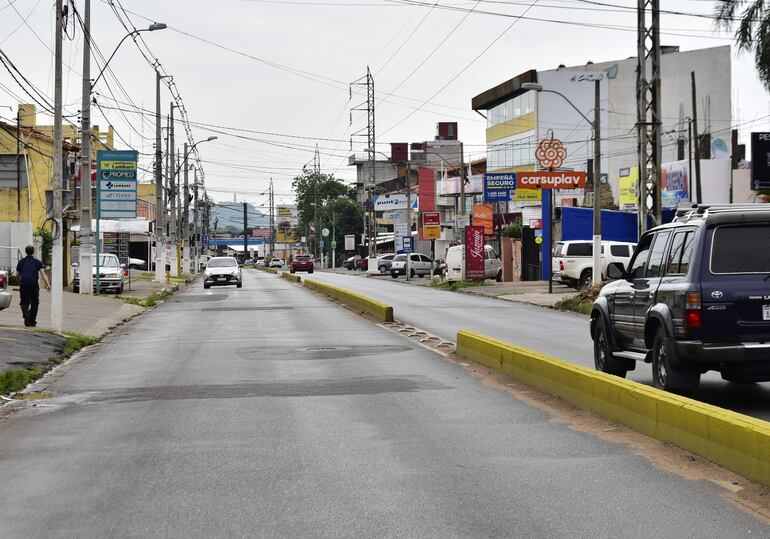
x=290, y=63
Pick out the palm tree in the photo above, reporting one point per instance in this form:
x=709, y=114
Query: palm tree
x=753, y=31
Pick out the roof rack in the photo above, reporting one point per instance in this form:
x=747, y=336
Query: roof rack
x=702, y=211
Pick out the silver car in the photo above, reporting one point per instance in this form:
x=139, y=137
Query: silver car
x=5, y=295
x=384, y=262
x=419, y=264
x=222, y=270
x=111, y=274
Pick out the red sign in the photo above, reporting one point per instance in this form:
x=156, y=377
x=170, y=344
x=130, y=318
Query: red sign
x=550, y=180
x=431, y=218
x=474, y=253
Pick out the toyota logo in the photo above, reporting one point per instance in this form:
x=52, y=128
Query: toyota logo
x=716, y=294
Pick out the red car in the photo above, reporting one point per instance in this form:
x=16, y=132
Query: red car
x=302, y=263
x=362, y=263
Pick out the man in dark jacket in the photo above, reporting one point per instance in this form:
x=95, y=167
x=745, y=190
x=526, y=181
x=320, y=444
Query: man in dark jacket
x=28, y=271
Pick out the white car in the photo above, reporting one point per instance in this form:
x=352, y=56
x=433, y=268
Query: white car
x=5, y=296
x=419, y=264
x=455, y=264
x=276, y=263
x=222, y=270
x=111, y=274
x=573, y=260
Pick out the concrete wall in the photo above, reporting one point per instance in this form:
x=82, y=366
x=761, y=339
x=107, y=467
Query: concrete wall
x=13, y=238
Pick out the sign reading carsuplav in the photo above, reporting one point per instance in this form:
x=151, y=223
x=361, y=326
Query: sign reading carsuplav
x=550, y=180
x=116, y=189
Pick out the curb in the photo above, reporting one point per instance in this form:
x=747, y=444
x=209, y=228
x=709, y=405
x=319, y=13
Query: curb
x=291, y=277
x=379, y=310
x=268, y=270
x=737, y=442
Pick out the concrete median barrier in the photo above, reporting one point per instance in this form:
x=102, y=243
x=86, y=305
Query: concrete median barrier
x=291, y=277
x=734, y=441
x=264, y=268
x=377, y=309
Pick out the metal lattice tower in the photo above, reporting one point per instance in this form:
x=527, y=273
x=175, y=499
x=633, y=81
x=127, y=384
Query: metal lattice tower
x=648, y=110
x=368, y=106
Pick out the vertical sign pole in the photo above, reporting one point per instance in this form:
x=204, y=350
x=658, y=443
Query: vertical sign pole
x=98, y=219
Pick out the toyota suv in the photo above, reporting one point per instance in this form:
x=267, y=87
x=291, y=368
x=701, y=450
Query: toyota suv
x=695, y=297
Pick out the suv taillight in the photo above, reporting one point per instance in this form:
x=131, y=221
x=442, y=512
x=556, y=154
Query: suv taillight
x=561, y=265
x=692, y=312
x=3, y=280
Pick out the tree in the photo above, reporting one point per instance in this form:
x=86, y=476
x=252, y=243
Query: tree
x=753, y=32
x=334, y=199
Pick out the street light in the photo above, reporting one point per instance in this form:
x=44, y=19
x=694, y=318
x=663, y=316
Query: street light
x=186, y=206
x=596, y=276
x=86, y=243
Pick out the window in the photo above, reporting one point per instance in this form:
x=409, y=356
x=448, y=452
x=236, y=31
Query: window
x=741, y=249
x=679, y=257
x=13, y=171
x=655, y=265
x=223, y=262
x=639, y=262
x=424, y=258
x=582, y=248
x=399, y=258
x=559, y=249
x=415, y=258
x=619, y=250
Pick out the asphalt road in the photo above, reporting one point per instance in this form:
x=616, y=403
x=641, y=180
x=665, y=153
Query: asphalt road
x=561, y=334
x=271, y=412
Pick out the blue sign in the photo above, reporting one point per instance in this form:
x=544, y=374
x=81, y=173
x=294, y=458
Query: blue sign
x=407, y=245
x=499, y=187
x=116, y=184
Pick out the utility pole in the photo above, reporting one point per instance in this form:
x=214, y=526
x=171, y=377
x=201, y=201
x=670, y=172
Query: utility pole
x=86, y=234
x=698, y=195
x=18, y=166
x=272, y=218
x=316, y=178
x=463, y=178
x=186, y=217
x=160, y=209
x=648, y=110
x=245, y=230
x=597, y=251
x=370, y=222
x=195, y=230
x=334, y=241
x=172, y=196
x=407, y=181
x=57, y=276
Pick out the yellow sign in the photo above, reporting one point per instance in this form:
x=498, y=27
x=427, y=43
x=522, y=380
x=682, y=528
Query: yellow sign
x=538, y=239
x=284, y=212
x=118, y=165
x=431, y=232
x=629, y=185
x=286, y=236
x=528, y=195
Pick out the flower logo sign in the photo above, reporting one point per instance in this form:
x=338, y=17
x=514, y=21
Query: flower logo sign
x=550, y=153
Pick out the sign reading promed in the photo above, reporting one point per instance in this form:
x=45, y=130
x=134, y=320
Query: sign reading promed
x=551, y=180
x=116, y=185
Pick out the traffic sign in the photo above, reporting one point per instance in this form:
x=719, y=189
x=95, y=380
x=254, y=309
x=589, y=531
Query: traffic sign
x=325, y=232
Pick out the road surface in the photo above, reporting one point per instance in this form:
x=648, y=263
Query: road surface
x=560, y=334
x=269, y=411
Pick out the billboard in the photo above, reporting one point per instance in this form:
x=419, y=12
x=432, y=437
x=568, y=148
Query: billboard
x=483, y=217
x=629, y=188
x=116, y=185
x=286, y=216
x=674, y=182
x=350, y=242
x=474, y=253
x=393, y=202
x=760, y=161
x=499, y=187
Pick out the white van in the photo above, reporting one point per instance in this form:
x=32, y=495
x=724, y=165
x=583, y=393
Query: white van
x=455, y=264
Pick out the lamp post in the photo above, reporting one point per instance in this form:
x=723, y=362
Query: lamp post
x=596, y=276
x=186, y=206
x=86, y=234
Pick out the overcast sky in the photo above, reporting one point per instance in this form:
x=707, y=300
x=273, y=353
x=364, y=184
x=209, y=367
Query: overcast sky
x=285, y=76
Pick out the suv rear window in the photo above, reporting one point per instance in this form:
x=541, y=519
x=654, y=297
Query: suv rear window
x=580, y=249
x=619, y=250
x=741, y=249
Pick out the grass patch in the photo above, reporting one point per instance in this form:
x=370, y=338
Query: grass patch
x=458, y=285
x=150, y=301
x=16, y=379
x=575, y=304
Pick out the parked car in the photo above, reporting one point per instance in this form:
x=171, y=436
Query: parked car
x=111, y=274
x=384, y=262
x=222, y=270
x=694, y=298
x=455, y=264
x=302, y=263
x=202, y=261
x=350, y=263
x=362, y=264
x=5, y=295
x=276, y=263
x=573, y=261
x=419, y=264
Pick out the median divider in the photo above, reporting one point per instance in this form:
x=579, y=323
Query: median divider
x=737, y=442
x=376, y=308
x=291, y=277
x=265, y=268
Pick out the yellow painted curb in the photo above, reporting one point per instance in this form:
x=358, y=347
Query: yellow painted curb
x=268, y=270
x=380, y=310
x=737, y=442
x=291, y=277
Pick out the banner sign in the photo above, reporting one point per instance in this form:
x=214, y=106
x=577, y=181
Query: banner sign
x=551, y=180
x=760, y=161
x=499, y=187
x=393, y=202
x=116, y=184
x=674, y=180
x=629, y=188
x=431, y=225
x=474, y=253
x=483, y=217
x=350, y=242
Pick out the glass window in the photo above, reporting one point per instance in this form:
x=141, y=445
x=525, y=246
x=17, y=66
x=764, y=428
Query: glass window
x=509, y=110
x=619, y=250
x=582, y=248
x=741, y=249
x=558, y=250
x=684, y=264
x=424, y=258
x=509, y=154
x=639, y=262
x=222, y=263
x=655, y=265
x=526, y=100
x=399, y=258
x=675, y=253
x=516, y=106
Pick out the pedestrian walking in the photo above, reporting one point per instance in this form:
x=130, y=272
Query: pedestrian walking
x=28, y=271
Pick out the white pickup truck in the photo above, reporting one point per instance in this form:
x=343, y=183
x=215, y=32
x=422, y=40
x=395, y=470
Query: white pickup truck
x=573, y=260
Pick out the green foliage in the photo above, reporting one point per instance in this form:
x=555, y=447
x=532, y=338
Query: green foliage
x=513, y=230
x=575, y=304
x=47, y=246
x=752, y=32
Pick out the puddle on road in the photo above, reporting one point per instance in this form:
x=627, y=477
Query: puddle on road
x=318, y=352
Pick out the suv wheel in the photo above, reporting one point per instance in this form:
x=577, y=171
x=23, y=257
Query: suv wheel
x=411, y=273
x=394, y=274
x=383, y=269
x=586, y=278
x=499, y=276
x=667, y=377
x=603, y=358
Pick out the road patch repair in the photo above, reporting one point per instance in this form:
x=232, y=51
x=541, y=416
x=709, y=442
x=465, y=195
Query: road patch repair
x=737, y=442
x=291, y=277
x=379, y=310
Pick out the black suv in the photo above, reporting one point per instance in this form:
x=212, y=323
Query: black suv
x=694, y=298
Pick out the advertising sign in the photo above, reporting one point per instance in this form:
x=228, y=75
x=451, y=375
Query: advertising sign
x=400, y=231
x=551, y=180
x=483, y=217
x=629, y=188
x=406, y=244
x=674, y=182
x=286, y=216
x=350, y=242
x=760, y=161
x=116, y=184
x=528, y=195
x=499, y=187
x=474, y=253
x=393, y=202
x=431, y=225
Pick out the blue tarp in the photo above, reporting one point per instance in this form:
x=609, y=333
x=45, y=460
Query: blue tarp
x=577, y=224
